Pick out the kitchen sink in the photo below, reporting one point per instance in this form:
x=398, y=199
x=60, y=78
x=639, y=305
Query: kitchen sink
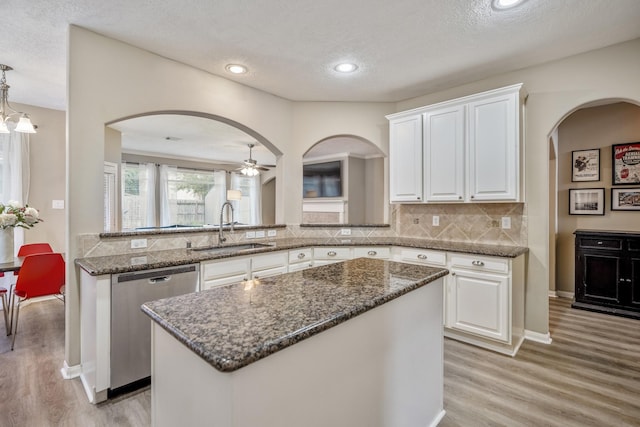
x=232, y=248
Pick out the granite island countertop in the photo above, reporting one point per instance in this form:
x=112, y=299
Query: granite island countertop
x=234, y=325
x=124, y=263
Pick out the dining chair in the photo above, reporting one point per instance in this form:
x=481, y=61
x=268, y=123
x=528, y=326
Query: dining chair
x=5, y=308
x=34, y=248
x=40, y=275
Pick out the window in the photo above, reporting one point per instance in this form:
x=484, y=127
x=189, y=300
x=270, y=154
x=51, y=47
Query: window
x=110, y=199
x=138, y=195
x=247, y=210
x=190, y=197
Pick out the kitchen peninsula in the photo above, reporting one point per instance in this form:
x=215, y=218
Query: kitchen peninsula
x=353, y=343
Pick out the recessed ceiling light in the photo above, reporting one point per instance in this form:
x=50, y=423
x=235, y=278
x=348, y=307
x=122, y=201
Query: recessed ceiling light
x=505, y=4
x=236, y=68
x=346, y=67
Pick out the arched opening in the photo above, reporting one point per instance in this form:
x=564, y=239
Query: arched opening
x=586, y=134
x=173, y=169
x=343, y=182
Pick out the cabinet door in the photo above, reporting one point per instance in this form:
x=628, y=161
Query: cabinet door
x=444, y=162
x=597, y=278
x=405, y=159
x=632, y=283
x=494, y=152
x=478, y=303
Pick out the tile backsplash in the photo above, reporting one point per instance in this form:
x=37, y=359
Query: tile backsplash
x=469, y=222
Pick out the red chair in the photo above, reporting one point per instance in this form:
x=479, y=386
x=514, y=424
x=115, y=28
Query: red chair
x=34, y=248
x=40, y=275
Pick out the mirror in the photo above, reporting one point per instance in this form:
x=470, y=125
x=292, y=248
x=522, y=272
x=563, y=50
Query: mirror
x=174, y=170
x=343, y=182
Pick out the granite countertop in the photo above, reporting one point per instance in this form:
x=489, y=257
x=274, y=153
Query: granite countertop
x=234, y=325
x=124, y=263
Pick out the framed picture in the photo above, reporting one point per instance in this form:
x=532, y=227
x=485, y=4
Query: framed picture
x=585, y=165
x=625, y=199
x=626, y=164
x=586, y=201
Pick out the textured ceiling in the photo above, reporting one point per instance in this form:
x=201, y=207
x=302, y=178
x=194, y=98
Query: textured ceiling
x=404, y=48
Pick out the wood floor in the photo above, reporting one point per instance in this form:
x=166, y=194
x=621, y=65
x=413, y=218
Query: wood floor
x=588, y=376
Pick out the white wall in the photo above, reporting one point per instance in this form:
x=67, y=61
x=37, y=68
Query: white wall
x=555, y=90
x=47, y=165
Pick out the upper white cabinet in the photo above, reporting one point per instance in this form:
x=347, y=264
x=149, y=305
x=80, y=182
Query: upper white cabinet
x=468, y=149
x=444, y=156
x=405, y=154
x=494, y=146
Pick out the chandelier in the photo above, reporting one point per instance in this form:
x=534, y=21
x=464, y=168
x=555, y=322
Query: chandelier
x=6, y=112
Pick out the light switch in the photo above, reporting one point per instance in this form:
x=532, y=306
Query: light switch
x=272, y=233
x=138, y=243
x=250, y=235
x=259, y=234
x=57, y=204
x=345, y=232
x=436, y=221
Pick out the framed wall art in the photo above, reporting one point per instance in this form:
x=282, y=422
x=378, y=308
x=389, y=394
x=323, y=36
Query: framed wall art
x=625, y=199
x=585, y=165
x=586, y=201
x=625, y=164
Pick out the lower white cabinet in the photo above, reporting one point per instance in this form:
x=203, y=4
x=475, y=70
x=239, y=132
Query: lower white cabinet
x=484, y=301
x=329, y=255
x=224, y=271
x=379, y=252
x=300, y=259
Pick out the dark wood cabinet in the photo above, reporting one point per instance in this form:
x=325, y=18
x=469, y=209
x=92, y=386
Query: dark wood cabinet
x=607, y=275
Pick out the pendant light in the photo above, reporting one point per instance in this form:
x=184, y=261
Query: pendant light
x=6, y=112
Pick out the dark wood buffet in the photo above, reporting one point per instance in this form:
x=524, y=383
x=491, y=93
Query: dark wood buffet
x=607, y=277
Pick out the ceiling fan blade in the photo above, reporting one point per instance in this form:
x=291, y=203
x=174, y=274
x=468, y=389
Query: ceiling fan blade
x=262, y=168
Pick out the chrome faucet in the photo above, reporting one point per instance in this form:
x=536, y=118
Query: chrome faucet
x=221, y=238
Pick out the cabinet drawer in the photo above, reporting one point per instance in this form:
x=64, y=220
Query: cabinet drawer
x=300, y=255
x=300, y=266
x=267, y=261
x=224, y=268
x=214, y=283
x=600, y=243
x=331, y=253
x=424, y=256
x=377, y=252
x=270, y=272
x=480, y=263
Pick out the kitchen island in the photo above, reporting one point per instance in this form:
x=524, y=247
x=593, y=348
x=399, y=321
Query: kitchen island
x=356, y=343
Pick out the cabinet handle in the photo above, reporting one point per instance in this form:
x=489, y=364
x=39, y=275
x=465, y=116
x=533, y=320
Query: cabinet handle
x=599, y=243
x=453, y=274
x=372, y=253
x=301, y=255
x=422, y=256
x=478, y=263
x=417, y=198
x=459, y=197
x=332, y=253
x=628, y=280
x=473, y=197
x=621, y=280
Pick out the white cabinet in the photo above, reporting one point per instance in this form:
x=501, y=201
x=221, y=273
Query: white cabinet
x=484, y=301
x=329, y=255
x=494, y=149
x=268, y=265
x=224, y=271
x=444, y=154
x=300, y=259
x=379, y=252
x=422, y=256
x=405, y=159
x=469, y=149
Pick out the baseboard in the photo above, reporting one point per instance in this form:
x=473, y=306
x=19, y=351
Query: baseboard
x=70, y=372
x=537, y=337
x=563, y=294
x=553, y=294
x=439, y=418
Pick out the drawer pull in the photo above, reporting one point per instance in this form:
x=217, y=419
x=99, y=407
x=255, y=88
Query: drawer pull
x=301, y=255
x=372, y=253
x=478, y=263
x=422, y=256
x=332, y=253
x=599, y=243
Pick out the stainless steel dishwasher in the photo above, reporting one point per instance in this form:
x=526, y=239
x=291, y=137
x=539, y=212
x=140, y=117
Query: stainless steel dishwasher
x=131, y=329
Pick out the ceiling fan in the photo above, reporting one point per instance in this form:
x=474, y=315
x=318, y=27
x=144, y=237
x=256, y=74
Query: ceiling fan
x=250, y=167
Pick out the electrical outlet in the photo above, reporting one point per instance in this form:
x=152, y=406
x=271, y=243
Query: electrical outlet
x=436, y=221
x=57, y=204
x=506, y=222
x=259, y=234
x=138, y=243
x=272, y=233
x=345, y=232
x=138, y=260
x=250, y=235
